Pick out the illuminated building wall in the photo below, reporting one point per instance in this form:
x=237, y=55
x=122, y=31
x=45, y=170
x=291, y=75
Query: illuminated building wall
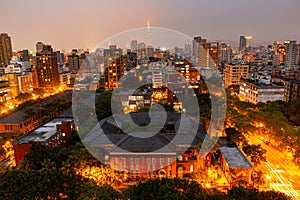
x=233, y=73
x=47, y=68
x=113, y=73
x=5, y=49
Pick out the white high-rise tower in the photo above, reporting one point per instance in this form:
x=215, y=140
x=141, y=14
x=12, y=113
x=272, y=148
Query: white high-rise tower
x=148, y=34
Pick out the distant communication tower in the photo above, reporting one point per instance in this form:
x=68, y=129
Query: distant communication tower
x=148, y=34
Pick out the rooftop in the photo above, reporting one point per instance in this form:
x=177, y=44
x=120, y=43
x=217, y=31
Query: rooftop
x=18, y=116
x=108, y=131
x=235, y=158
x=41, y=134
x=260, y=84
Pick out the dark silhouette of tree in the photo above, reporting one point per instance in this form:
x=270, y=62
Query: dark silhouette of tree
x=51, y=184
x=256, y=153
x=104, y=103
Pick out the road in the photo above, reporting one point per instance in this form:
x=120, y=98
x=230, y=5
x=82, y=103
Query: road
x=281, y=173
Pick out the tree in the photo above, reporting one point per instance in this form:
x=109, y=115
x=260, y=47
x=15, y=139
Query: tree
x=258, y=177
x=39, y=92
x=272, y=195
x=293, y=111
x=51, y=184
x=205, y=108
x=92, y=191
x=256, y=153
x=23, y=97
x=235, y=136
x=29, y=112
x=104, y=105
x=39, y=155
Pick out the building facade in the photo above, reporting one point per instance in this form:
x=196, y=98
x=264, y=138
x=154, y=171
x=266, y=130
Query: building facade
x=52, y=134
x=146, y=157
x=292, y=90
x=244, y=42
x=291, y=54
x=225, y=53
x=47, y=68
x=235, y=164
x=73, y=62
x=279, y=54
x=253, y=92
x=186, y=69
x=5, y=49
x=113, y=73
x=233, y=74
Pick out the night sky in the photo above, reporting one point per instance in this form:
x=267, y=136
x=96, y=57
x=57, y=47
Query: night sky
x=68, y=24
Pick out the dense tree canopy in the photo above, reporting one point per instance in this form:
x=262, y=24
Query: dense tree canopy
x=51, y=184
x=256, y=153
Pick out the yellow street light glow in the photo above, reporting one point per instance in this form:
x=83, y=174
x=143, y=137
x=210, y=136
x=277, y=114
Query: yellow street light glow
x=261, y=125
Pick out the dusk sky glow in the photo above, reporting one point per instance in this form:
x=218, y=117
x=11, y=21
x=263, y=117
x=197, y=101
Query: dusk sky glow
x=84, y=24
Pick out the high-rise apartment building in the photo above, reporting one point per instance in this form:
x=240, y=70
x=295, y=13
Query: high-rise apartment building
x=47, y=68
x=24, y=55
x=5, y=49
x=39, y=46
x=298, y=54
x=225, y=53
x=291, y=54
x=60, y=57
x=244, y=42
x=233, y=74
x=205, y=53
x=212, y=54
x=188, y=50
x=111, y=54
x=113, y=72
x=73, y=61
x=198, y=43
x=141, y=49
x=133, y=45
x=279, y=54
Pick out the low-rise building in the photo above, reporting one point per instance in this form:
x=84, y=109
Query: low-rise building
x=134, y=100
x=254, y=92
x=17, y=123
x=54, y=133
x=235, y=165
x=160, y=155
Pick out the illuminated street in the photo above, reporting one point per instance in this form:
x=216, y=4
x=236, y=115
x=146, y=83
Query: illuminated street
x=281, y=173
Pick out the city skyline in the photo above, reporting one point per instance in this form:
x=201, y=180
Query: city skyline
x=150, y=99
x=265, y=21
